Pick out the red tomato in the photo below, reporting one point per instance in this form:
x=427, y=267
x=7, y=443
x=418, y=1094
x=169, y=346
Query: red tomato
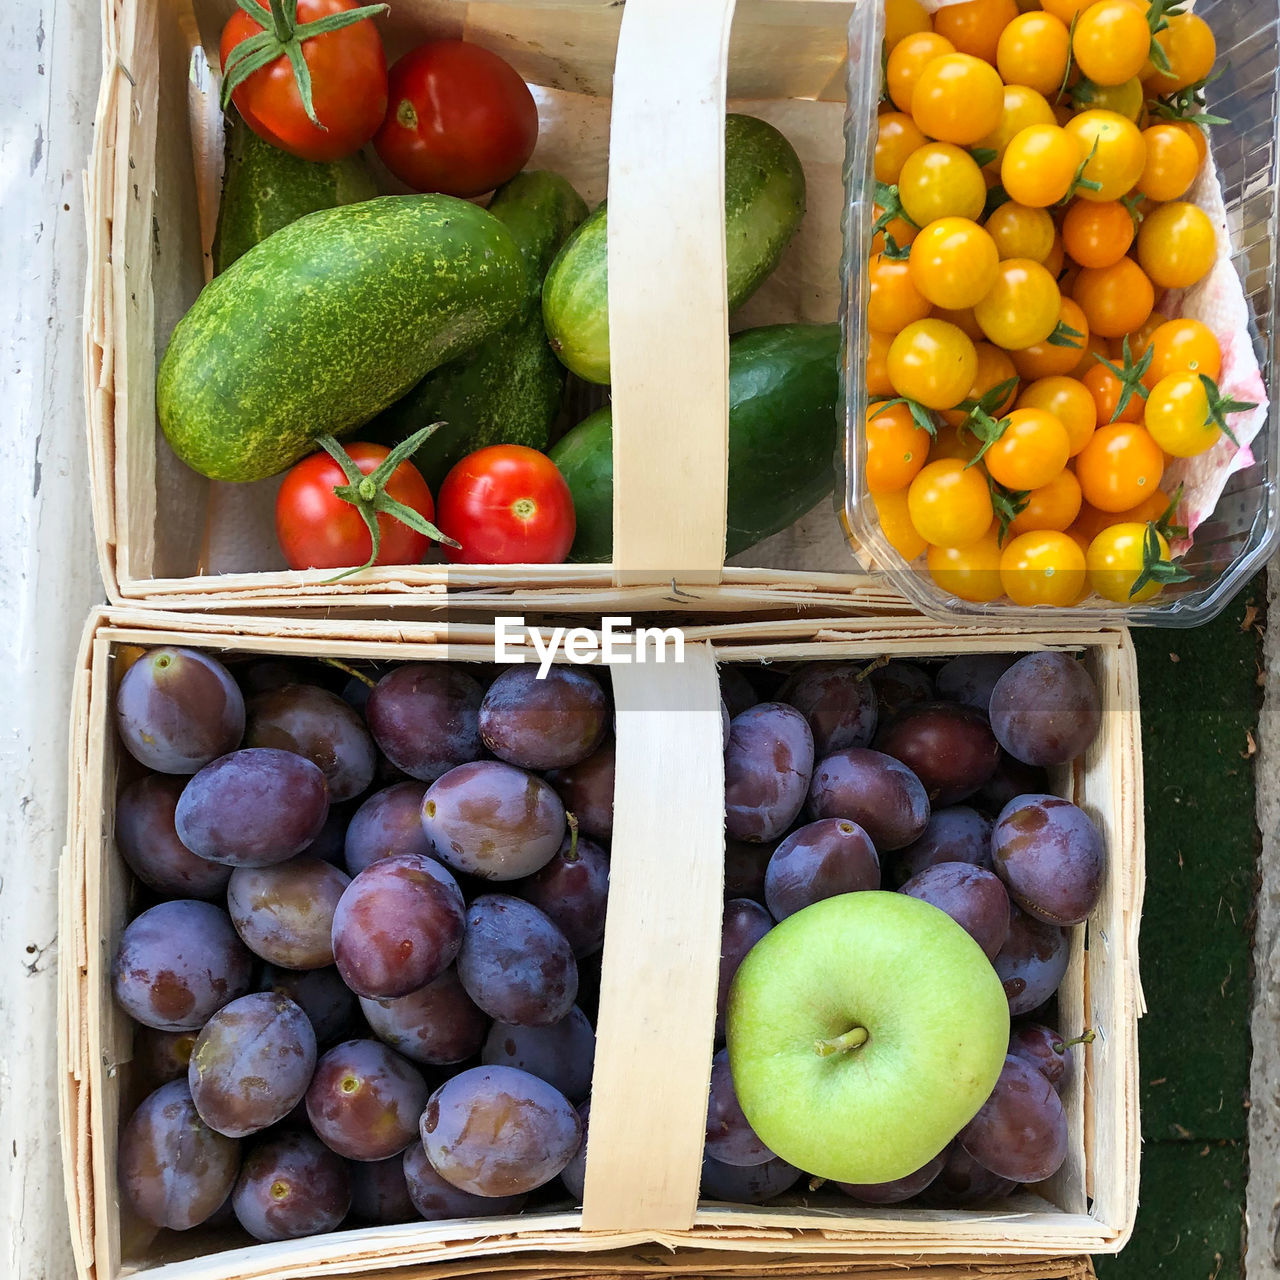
x=319, y=530
x=507, y=504
x=348, y=85
x=460, y=120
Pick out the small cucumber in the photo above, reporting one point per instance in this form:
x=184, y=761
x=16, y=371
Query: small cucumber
x=764, y=197
x=509, y=389
x=264, y=189
x=784, y=386
x=327, y=322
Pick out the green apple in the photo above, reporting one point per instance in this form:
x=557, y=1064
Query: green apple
x=865, y=1032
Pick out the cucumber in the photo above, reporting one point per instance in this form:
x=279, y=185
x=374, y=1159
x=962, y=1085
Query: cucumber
x=508, y=390
x=264, y=189
x=326, y=323
x=763, y=205
x=784, y=386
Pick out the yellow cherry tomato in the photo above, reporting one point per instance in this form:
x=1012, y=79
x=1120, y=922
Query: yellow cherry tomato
x=1023, y=107
x=962, y=319
x=896, y=138
x=950, y=504
x=893, y=302
x=896, y=447
x=1171, y=165
x=1039, y=165
x=1061, y=355
x=1070, y=401
x=1176, y=245
x=1020, y=231
x=1115, y=300
x=958, y=98
x=1022, y=306
x=1182, y=345
x=1196, y=134
x=878, y=384
x=904, y=18
x=939, y=180
x=895, y=524
x=994, y=369
x=1111, y=41
x=1033, y=50
x=1127, y=99
x=907, y=61
x=1119, y=467
x=1178, y=418
x=1052, y=506
x=1097, y=234
x=933, y=363
x=971, y=572
x=1065, y=10
x=1115, y=561
x=1042, y=568
x=1112, y=151
x=953, y=263
x=1190, y=48
x=1032, y=450
x=975, y=26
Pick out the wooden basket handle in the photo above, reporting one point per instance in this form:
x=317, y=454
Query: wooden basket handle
x=668, y=299
x=654, y=1035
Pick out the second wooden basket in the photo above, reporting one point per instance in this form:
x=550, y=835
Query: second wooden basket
x=657, y=999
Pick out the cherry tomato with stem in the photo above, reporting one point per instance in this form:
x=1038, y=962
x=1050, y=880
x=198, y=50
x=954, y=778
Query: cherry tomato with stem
x=337, y=106
x=1189, y=48
x=1180, y=416
x=1117, y=557
x=1108, y=391
x=1112, y=153
x=507, y=504
x=896, y=447
x=1060, y=352
x=994, y=369
x=1031, y=451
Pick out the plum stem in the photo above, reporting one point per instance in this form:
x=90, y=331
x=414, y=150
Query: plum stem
x=1087, y=1037
x=854, y=1038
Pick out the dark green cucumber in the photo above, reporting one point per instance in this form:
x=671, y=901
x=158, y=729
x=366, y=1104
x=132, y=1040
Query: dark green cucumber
x=508, y=390
x=264, y=189
x=327, y=322
x=784, y=386
x=763, y=204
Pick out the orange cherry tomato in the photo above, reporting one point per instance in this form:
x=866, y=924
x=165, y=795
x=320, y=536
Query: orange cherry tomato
x=1196, y=134
x=1039, y=165
x=893, y=302
x=971, y=572
x=896, y=448
x=1045, y=358
x=1115, y=300
x=1032, y=450
x=1033, y=50
x=1140, y=338
x=1097, y=235
x=1112, y=151
x=1172, y=162
x=896, y=138
x=895, y=524
x=963, y=320
x=975, y=26
x=1070, y=401
x=1106, y=390
x=1183, y=344
x=1052, y=506
x=904, y=18
x=958, y=98
x=1043, y=568
x=1020, y=231
x=994, y=368
x=1119, y=467
x=907, y=60
x=1176, y=245
x=878, y=384
x=950, y=504
x=1065, y=10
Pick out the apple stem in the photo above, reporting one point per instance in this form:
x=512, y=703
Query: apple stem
x=854, y=1038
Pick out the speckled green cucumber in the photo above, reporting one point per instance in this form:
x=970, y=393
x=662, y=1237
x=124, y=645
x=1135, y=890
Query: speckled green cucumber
x=764, y=196
x=264, y=189
x=509, y=389
x=324, y=324
x=784, y=387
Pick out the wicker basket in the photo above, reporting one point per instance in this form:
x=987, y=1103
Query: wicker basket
x=654, y=1052
x=168, y=537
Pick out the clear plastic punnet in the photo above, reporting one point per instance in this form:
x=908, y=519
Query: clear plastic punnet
x=1229, y=502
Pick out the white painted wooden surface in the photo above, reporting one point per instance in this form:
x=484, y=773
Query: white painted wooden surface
x=49, y=72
